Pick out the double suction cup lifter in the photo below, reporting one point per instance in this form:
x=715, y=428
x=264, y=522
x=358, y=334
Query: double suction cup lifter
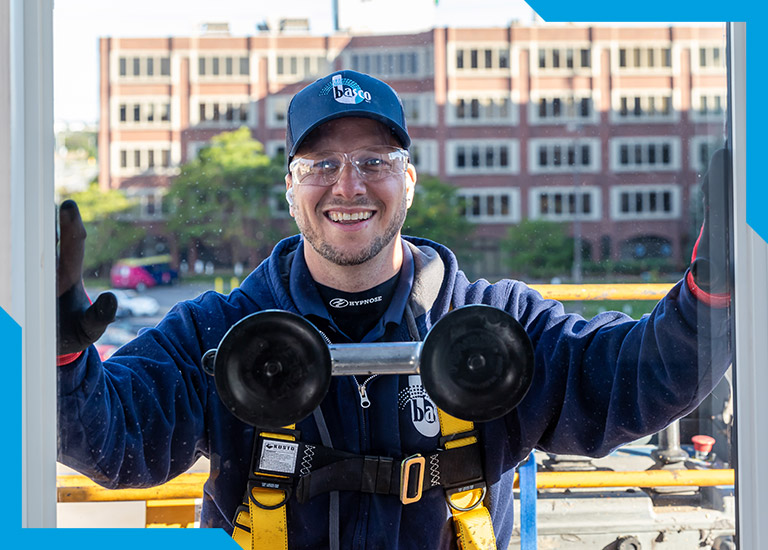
x=273, y=368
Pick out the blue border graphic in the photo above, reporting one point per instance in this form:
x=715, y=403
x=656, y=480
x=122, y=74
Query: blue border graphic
x=550, y=10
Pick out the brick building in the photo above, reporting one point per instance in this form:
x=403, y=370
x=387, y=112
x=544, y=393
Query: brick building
x=605, y=128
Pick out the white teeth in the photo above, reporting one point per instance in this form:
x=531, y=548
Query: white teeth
x=346, y=216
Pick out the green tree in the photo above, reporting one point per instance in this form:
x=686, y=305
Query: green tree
x=110, y=234
x=538, y=249
x=221, y=198
x=436, y=214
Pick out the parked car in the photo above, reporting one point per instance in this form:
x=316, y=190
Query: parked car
x=143, y=273
x=130, y=302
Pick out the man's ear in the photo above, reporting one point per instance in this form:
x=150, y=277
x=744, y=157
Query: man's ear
x=289, y=192
x=410, y=184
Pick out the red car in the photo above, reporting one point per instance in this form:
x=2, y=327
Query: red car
x=142, y=273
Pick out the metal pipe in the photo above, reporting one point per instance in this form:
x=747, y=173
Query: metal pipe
x=376, y=358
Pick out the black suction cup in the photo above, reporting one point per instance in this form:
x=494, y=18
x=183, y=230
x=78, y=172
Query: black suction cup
x=272, y=369
x=477, y=363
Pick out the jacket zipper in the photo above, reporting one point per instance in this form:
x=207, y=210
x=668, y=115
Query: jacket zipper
x=365, y=402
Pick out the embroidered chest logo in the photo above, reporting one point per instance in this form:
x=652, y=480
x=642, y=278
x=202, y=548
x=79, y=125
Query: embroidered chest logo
x=423, y=411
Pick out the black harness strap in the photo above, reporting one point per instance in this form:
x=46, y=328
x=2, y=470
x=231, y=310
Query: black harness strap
x=317, y=470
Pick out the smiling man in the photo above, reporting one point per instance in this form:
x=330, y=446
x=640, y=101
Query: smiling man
x=377, y=465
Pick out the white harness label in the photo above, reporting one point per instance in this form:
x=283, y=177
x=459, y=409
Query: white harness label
x=278, y=456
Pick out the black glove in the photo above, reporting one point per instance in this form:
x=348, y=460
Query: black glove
x=79, y=323
x=710, y=262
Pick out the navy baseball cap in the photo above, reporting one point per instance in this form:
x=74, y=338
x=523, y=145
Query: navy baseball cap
x=342, y=94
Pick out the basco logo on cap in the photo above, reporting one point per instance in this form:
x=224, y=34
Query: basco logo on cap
x=346, y=90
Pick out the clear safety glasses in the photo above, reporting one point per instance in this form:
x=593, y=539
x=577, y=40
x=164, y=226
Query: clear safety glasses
x=371, y=163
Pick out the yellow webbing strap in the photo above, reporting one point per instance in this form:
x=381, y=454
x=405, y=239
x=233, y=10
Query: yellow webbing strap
x=258, y=528
x=473, y=527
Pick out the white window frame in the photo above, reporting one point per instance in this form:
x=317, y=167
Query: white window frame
x=144, y=101
x=512, y=194
x=693, y=151
x=425, y=105
x=235, y=77
x=144, y=169
x=495, y=69
x=376, y=64
x=697, y=98
x=221, y=100
x=427, y=150
x=561, y=48
x=645, y=95
x=594, y=192
x=535, y=145
x=617, y=191
x=697, y=67
x=143, y=55
x=277, y=104
x=571, y=100
x=658, y=47
x=488, y=103
x=645, y=142
x=319, y=65
x=513, y=156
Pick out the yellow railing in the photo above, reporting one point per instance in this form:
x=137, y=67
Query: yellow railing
x=173, y=504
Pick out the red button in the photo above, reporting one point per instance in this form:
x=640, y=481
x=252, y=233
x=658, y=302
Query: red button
x=703, y=443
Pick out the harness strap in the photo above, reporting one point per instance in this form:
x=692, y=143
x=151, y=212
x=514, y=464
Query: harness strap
x=470, y=516
x=448, y=468
x=261, y=521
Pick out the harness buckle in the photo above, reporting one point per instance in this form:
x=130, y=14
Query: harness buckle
x=464, y=489
x=414, y=461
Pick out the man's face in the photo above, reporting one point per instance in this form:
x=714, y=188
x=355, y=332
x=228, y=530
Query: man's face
x=351, y=221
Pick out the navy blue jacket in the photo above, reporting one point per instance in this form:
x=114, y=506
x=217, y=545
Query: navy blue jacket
x=149, y=412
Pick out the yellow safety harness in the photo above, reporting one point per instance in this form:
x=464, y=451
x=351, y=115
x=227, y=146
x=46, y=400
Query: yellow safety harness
x=261, y=522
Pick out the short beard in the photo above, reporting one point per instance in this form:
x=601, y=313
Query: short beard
x=338, y=257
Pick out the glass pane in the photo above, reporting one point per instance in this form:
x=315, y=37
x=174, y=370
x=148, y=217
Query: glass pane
x=535, y=167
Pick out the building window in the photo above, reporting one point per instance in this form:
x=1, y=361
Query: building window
x=145, y=159
x=561, y=108
x=565, y=203
x=222, y=112
x=483, y=156
x=711, y=57
x=217, y=66
x=645, y=202
x=646, y=154
x=144, y=113
x=708, y=105
x=490, y=205
x=300, y=67
x=701, y=149
x=563, y=58
x=481, y=58
x=635, y=107
x=144, y=67
x=481, y=110
x=645, y=58
x=547, y=156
